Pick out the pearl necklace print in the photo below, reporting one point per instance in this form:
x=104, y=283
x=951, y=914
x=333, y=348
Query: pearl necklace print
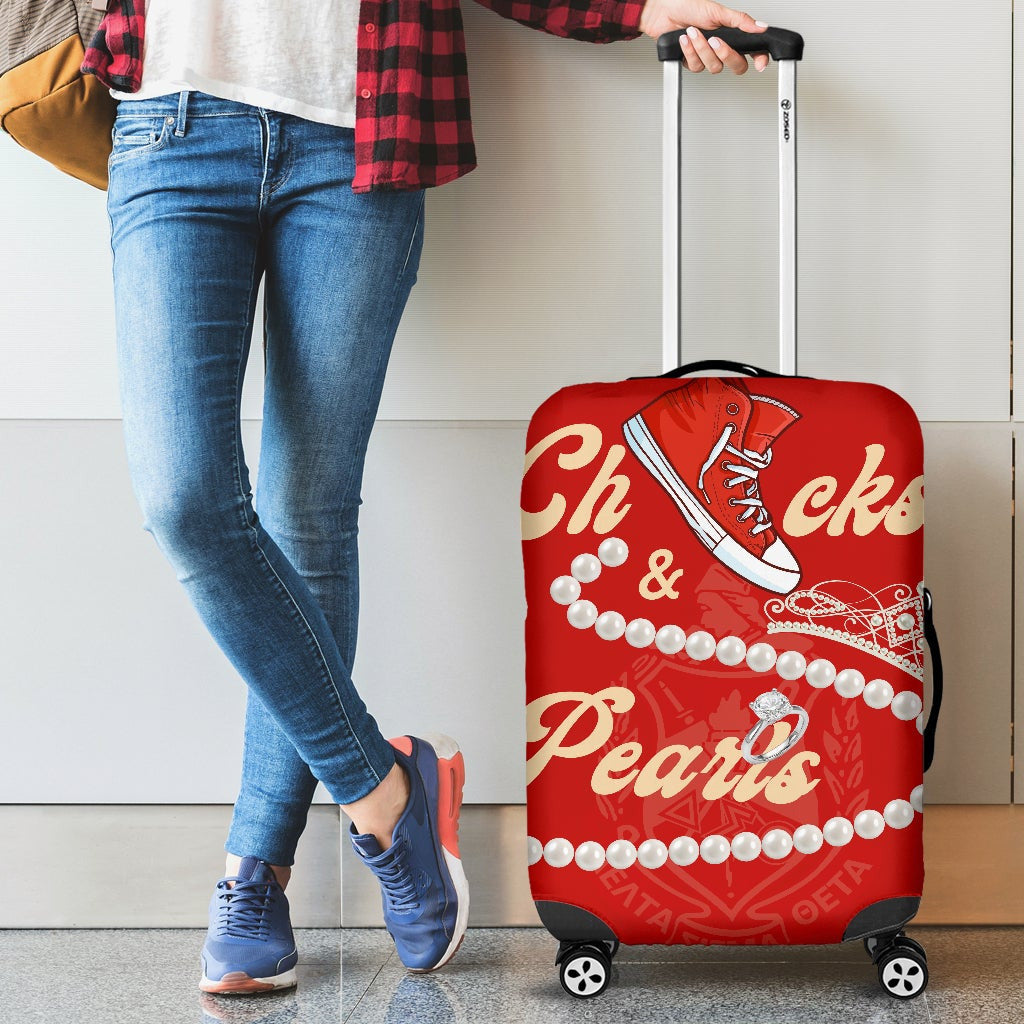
x=731, y=651
x=775, y=844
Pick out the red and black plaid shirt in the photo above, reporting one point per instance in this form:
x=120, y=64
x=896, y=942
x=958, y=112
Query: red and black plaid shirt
x=412, y=88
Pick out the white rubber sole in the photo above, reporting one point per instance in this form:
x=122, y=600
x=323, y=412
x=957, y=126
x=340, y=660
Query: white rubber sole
x=237, y=983
x=446, y=748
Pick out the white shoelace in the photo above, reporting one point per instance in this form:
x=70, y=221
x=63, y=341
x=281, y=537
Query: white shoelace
x=745, y=474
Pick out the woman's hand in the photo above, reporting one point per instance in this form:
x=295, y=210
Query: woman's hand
x=700, y=53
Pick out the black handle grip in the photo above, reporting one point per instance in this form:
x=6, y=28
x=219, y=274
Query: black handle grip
x=716, y=364
x=933, y=649
x=780, y=43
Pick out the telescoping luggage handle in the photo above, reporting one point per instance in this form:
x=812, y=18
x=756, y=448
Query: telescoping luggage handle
x=786, y=48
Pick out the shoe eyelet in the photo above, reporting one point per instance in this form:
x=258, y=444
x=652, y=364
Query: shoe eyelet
x=732, y=408
x=732, y=501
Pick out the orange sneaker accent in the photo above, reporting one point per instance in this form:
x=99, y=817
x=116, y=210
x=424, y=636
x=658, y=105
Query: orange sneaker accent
x=402, y=743
x=452, y=777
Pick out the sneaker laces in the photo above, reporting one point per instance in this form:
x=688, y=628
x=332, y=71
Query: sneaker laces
x=744, y=475
x=243, y=908
x=396, y=879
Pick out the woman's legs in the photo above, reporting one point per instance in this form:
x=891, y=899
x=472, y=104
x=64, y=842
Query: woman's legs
x=340, y=268
x=192, y=231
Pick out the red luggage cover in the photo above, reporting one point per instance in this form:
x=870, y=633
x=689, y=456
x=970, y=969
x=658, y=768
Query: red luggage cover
x=691, y=545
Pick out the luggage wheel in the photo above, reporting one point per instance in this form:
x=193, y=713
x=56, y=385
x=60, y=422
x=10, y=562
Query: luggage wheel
x=585, y=968
x=901, y=961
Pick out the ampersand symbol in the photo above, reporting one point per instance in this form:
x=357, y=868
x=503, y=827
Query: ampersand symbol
x=658, y=563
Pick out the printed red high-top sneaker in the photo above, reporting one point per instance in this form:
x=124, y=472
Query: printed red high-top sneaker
x=705, y=443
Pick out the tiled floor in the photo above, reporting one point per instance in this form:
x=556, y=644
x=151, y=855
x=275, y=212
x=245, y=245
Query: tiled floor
x=503, y=976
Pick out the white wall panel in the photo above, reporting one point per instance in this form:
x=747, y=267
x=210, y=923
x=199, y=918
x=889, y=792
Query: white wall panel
x=56, y=330
x=542, y=266
x=903, y=204
x=1018, y=235
x=113, y=691
x=57, y=327
x=442, y=608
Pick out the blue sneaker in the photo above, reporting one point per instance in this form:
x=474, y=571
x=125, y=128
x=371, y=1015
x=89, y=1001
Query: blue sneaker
x=249, y=945
x=424, y=892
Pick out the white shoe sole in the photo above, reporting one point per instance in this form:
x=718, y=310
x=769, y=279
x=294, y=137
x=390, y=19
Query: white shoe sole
x=446, y=748
x=239, y=983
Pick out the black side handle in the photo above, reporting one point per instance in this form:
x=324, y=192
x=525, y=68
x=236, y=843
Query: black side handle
x=933, y=648
x=780, y=43
x=716, y=364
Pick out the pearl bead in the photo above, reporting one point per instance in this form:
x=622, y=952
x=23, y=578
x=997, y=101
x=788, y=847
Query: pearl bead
x=820, y=673
x=898, y=813
x=612, y=551
x=534, y=850
x=878, y=694
x=652, y=853
x=565, y=590
x=919, y=722
x=558, y=852
x=621, y=854
x=838, y=831
x=868, y=824
x=906, y=705
x=761, y=657
x=610, y=625
x=700, y=645
x=876, y=620
x=683, y=851
x=791, y=665
x=586, y=568
x=746, y=846
x=715, y=849
x=640, y=633
x=777, y=843
x=850, y=683
x=905, y=621
x=590, y=855
x=917, y=799
x=669, y=639
x=808, y=839
x=731, y=650
x=582, y=614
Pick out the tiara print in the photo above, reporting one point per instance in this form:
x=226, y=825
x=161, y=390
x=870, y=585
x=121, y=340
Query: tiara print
x=886, y=623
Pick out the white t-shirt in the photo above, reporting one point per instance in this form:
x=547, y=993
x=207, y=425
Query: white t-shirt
x=299, y=58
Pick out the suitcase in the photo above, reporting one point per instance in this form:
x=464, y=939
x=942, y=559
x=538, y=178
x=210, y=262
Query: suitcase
x=726, y=638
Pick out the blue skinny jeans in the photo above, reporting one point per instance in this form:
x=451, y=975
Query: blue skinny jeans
x=206, y=197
